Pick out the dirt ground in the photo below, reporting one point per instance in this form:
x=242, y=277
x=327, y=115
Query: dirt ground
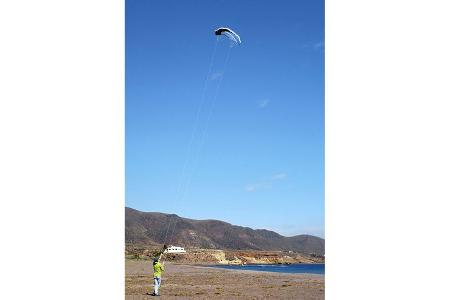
x=196, y=282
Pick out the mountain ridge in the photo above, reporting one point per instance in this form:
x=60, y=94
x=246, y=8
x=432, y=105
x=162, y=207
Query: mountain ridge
x=157, y=228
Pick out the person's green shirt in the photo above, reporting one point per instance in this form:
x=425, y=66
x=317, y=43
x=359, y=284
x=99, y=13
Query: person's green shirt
x=158, y=268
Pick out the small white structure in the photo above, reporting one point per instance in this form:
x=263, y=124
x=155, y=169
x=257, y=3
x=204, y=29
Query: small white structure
x=175, y=249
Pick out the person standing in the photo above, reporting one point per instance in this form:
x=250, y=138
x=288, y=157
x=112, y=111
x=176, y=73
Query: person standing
x=158, y=269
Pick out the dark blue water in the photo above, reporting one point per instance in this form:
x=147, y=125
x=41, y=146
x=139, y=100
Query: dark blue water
x=294, y=268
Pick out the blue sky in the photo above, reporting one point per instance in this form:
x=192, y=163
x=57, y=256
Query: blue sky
x=251, y=154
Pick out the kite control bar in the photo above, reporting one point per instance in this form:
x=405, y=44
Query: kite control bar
x=161, y=252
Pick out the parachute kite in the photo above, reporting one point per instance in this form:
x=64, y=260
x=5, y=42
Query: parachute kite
x=233, y=36
x=198, y=132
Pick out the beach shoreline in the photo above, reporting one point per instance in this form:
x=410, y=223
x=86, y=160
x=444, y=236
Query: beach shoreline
x=182, y=281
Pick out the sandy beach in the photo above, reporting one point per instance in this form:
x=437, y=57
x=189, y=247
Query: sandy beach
x=198, y=282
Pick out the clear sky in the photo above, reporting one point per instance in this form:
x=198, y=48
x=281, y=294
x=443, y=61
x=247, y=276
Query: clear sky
x=254, y=154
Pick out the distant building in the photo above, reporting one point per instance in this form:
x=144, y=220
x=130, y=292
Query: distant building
x=175, y=249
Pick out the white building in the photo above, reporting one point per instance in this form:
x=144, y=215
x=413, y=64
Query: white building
x=175, y=249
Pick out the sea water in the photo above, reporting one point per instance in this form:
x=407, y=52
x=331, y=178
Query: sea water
x=292, y=268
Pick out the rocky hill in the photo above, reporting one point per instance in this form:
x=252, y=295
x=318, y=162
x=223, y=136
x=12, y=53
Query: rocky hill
x=153, y=228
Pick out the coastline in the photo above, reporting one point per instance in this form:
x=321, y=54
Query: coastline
x=300, y=268
x=182, y=281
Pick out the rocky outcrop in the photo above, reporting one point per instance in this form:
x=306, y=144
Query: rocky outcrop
x=213, y=256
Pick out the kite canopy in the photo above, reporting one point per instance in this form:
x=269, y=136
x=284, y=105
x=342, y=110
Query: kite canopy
x=233, y=36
